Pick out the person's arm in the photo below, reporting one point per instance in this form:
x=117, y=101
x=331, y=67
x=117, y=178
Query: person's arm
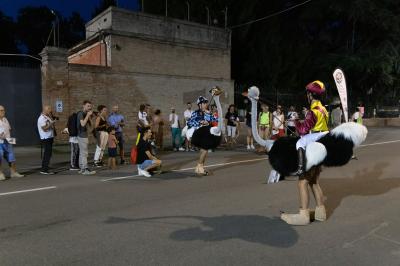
x=97, y=123
x=86, y=119
x=309, y=122
x=122, y=122
x=46, y=125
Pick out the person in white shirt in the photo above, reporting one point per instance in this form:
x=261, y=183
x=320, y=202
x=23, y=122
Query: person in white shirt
x=291, y=121
x=142, y=116
x=45, y=126
x=187, y=115
x=6, y=149
x=278, y=120
x=175, y=130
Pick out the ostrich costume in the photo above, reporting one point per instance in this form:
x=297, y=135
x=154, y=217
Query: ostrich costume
x=206, y=137
x=335, y=148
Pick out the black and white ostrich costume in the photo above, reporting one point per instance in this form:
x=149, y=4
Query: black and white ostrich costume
x=209, y=137
x=333, y=149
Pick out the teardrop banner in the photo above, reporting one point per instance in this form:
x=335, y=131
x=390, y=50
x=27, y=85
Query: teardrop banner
x=340, y=81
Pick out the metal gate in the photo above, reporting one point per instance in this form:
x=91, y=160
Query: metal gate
x=20, y=94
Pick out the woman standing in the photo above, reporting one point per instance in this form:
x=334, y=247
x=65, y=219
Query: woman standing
x=158, y=128
x=278, y=123
x=101, y=128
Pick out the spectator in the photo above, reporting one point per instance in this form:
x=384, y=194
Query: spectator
x=142, y=115
x=6, y=149
x=158, y=129
x=187, y=115
x=232, y=124
x=336, y=116
x=84, y=122
x=146, y=161
x=117, y=121
x=357, y=116
x=72, y=131
x=175, y=131
x=291, y=121
x=112, y=148
x=45, y=126
x=264, y=122
x=250, y=140
x=101, y=130
x=278, y=123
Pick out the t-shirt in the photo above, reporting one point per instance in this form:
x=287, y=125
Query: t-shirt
x=5, y=127
x=114, y=119
x=232, y=118
x=82, y=131
x=292, y=116
x=174, y=120
x=278, y=120
x=43, y=121
x=112, y=141
x=187, y=114
x=143, y=117
x=142, y=147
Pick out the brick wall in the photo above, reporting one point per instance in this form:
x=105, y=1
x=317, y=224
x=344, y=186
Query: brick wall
x=92, y=55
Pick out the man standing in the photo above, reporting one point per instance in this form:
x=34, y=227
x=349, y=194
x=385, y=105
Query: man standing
x=45, y=126
x=187, y=115
x=6, y=149
x=175, y=130
x=83, y=120
x=117, y=121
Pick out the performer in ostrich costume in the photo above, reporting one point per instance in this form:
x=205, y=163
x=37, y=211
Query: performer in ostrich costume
x=332, y=148
x=201, y=133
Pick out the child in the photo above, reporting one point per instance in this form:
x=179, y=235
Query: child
x=112, y=148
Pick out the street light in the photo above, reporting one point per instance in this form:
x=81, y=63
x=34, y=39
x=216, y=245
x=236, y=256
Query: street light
x=208, y=15
x=225, y=11
x=188, y=10
x=58, y=29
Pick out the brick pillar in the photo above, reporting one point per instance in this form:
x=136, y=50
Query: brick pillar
x=55, y=85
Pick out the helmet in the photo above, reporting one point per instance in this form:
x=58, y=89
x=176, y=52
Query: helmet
x=201, y=99
x=316, y=87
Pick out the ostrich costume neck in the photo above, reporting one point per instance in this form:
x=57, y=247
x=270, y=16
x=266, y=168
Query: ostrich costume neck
x=334, y=149
x=208, y=137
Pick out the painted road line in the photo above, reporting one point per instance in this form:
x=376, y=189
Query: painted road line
x=27, y=190
x=379, y=143
x=191, y=168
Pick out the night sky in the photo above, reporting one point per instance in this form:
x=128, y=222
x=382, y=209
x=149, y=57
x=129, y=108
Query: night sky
x=65, y=7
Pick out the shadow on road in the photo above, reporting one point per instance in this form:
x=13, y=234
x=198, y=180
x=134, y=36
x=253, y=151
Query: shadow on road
x=250, y=228
x=365, y=182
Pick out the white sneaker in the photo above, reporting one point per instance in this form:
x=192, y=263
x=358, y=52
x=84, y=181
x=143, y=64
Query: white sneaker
x=143, y=172
x=252, y=147
x=248, y=147
x=181, y=149
x=16, y=175
x=88, y=172
x=2, y=177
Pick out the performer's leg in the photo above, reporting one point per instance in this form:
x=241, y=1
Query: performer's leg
x=200, y=166
x=303, y=217
x=320, y=211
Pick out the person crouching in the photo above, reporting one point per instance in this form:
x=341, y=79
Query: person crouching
x=146, y=161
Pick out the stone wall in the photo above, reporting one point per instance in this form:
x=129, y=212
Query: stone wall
x=74, y=83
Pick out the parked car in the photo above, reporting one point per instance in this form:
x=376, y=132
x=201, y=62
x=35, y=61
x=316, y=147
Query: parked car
x=388, y=111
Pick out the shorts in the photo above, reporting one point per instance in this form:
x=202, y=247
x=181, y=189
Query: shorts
x=7, y=151
x=311, y=175
x=120, y=137
x=112, y=152
x=264, y=127
x=146, y=164
x=231, y=131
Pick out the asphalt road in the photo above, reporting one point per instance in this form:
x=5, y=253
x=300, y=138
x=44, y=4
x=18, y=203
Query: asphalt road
x=228, y=218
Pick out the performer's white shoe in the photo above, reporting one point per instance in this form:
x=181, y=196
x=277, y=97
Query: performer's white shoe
x=320, y=213
x=301, y=218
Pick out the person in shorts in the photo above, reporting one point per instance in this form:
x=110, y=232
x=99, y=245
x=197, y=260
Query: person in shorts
x=146, y=161
x=232, y=124
x=112, y=148
x=117, y=120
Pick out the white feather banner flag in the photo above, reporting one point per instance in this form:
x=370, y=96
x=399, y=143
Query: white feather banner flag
x=340, y=81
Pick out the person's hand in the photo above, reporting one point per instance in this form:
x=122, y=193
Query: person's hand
x=89, y=113
x=204, y=123
x=2, y=135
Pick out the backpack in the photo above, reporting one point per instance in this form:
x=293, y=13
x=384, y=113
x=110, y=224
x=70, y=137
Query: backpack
x=72, y=125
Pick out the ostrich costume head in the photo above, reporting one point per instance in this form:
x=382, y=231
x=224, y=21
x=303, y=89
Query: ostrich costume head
x=334, y=149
